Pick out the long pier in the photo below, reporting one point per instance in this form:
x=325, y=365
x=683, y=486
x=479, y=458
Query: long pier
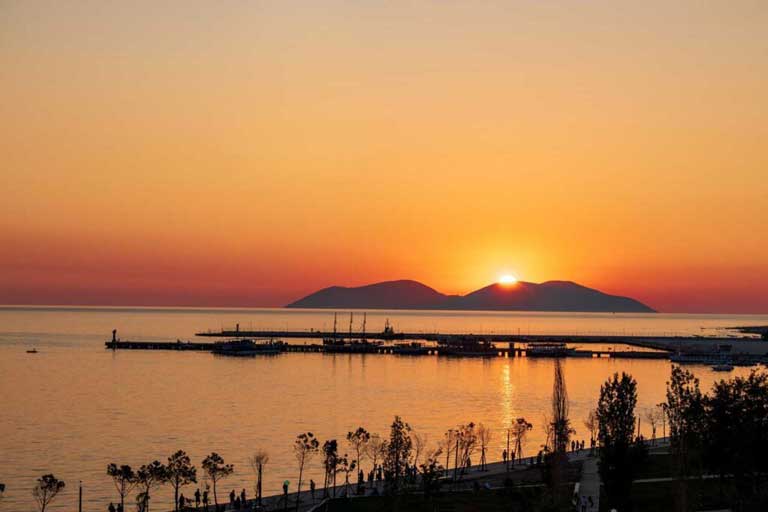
x=380, y=349
x=652, y=342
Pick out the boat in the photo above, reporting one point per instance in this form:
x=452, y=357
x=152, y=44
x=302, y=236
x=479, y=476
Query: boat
x=554, y=349
x=247, y=347
x=722, y=367
x=32, y=351
x=413, y=348
x=342, y=346
x=467, y=347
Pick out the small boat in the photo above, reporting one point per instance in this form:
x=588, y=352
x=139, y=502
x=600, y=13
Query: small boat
x=722, y=367
x=32, y=351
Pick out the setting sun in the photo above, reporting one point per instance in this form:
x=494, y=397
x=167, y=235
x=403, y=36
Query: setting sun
x=507, y=279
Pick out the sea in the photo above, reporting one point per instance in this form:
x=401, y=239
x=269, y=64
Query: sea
x=74, y=407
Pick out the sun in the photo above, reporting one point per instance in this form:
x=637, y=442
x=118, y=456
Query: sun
x=507, y=279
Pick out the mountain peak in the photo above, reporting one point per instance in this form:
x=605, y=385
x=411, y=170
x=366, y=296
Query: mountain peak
x=520, y=296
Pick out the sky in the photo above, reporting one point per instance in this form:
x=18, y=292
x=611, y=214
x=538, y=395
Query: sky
x=239, y=153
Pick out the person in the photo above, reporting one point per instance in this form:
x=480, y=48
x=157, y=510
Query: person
x=583, y=504
x=312, y=489
x=237, y=503
x=197, y=498
x=504, y=456
x=111, y=507
x=119, y=507
x=242, y=497
x=591, y=503
x=181, y=501
x=205, y=499
x=232, y=497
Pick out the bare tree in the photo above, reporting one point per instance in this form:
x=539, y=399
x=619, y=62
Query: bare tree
x=520, y=429
x=305, y=447
x=214, y=467
x=592, y=425
x=376, y=448
x=124, y=479
x=484, y=436
x=652, y=414
x=419, y=443
x=448, y=445
x=258, y=461
x=46, y=489
x=467, y=442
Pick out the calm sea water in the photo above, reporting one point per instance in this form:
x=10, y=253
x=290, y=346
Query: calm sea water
x=75, y=407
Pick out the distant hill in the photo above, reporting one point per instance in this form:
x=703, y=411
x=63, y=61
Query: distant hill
x=403, y=294
x=521, y=296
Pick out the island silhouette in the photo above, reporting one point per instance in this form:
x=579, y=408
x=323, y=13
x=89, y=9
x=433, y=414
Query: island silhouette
x=520, y=296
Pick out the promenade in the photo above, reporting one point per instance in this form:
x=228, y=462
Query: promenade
x=492, y=477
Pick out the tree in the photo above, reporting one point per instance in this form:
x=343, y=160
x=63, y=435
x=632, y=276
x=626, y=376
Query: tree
x=419, y=443
x=148, y=477
x=124, y=479
x=653, y=416
x=214, y=467
x=736, y=441
x=48, y=486
x=616, y=424
x=520, y=429
x=430, y=472
x=305, y=447
x=448, y=445
x=346, y=466
x=331, y=464
x=484, y=436
x=467, y=442
x=561, y=425
x=398, y=450
x=592, y=425
x=358, y=440
x=180, y=472
x=685, y=412
x=376, y=449
x=258, y=461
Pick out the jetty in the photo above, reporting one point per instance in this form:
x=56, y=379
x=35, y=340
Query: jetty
x=745, y=348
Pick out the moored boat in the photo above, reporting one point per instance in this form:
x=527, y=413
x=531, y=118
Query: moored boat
x=247, y=347
x=413, y=348
x=557, y=349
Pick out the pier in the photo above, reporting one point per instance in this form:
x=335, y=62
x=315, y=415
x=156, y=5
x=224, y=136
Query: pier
x=469, y=345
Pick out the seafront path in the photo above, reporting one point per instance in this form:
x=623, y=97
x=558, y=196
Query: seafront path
x=490, y=478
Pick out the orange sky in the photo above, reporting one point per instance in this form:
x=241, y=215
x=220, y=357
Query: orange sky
x=235, y=153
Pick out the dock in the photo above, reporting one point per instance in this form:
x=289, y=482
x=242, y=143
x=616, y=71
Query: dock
x=444, y=344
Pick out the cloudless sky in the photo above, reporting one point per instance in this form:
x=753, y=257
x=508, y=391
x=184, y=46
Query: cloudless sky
x=247, y=153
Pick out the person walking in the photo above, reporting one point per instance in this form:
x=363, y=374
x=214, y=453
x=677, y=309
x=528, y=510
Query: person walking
x=182, y=500
x=205, y=500
x=232, y=497
x=119, y=507
x=242, y=498
x=111, y=507
x=197, y=499
x=312, y=489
